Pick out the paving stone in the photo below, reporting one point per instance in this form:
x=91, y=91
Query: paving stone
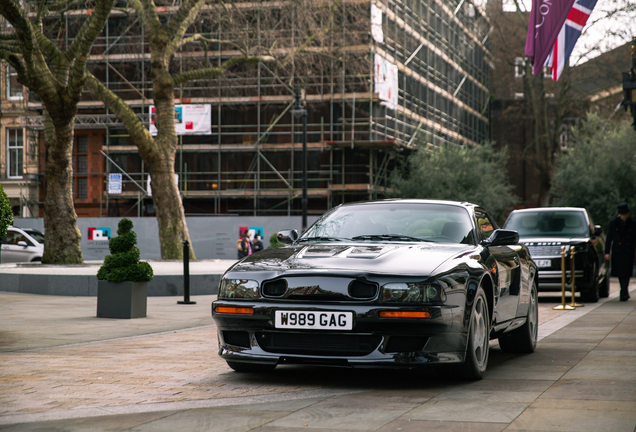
x=440, y=426
x=576, y=420
x=462, y=411
x=622, y=372
x=592, y=390
x=536, y=372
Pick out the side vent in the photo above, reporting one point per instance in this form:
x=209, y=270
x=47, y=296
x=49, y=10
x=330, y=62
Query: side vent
x=362, y=290
x=275, y=288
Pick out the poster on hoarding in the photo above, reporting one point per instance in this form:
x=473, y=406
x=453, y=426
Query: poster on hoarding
x=386, y=81
x=188, y=119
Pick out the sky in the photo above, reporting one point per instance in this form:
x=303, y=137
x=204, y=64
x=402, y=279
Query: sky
x=612, y=24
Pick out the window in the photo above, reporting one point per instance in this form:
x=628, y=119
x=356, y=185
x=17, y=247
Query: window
x=80, y=167
x=15, y=153
x=14, y=88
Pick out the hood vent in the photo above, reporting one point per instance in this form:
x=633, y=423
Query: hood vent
x=362, y=289
x=275, y=288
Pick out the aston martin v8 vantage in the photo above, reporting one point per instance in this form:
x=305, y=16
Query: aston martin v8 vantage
x=393, y=283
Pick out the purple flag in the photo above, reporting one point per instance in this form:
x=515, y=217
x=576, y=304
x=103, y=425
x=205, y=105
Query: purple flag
x=546, y=20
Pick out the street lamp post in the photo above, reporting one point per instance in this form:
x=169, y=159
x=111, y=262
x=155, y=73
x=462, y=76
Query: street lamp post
x=300, y=111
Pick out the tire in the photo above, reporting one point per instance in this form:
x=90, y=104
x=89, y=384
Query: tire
x=250, y=367
x=524, y=338
x=477, y=348
x=591, y=295
x=604, y=290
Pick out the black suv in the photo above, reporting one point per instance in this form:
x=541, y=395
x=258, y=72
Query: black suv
x=546, y=230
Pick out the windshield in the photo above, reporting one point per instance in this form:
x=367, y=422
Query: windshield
x=549, y=224
x=37, y=235
x=394, y=221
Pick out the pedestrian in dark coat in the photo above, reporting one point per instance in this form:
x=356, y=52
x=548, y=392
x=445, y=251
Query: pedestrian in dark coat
x=244, y=245
x=621, y=242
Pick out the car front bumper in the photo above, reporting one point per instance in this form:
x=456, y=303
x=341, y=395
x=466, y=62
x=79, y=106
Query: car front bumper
x=373, y=341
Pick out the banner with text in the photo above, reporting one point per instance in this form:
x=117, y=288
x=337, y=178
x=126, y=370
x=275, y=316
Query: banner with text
x=188, y=119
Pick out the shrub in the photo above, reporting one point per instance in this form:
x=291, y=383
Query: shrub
x=6, y=215
x=123, y=263
x=273, y=241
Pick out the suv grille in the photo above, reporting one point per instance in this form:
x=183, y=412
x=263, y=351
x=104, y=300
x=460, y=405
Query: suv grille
x=544, y=251
x=320, y=344
x=276, y=288
x=362, y=290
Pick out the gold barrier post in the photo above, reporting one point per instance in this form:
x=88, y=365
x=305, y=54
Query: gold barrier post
x=574, y=304
x=563, y=306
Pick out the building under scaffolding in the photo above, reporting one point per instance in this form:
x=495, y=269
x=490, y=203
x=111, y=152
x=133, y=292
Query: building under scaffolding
x=356, y=57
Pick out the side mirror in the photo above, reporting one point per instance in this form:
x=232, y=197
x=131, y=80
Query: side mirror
x=597, y=230
x=22, y=243
x=287, y=236
x=502, y=237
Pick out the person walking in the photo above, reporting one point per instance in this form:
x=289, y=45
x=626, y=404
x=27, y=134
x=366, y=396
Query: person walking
x=244, y=245
x=621, y=243
x=257, y=246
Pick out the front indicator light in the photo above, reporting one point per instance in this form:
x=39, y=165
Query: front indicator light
x=234, y=310
x=403, y=314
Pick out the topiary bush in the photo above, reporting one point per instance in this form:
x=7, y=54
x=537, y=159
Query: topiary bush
x=6, y=214
x=123, y=263
x=273, y=241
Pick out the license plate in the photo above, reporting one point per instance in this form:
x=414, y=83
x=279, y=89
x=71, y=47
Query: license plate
x=313, y=320
x=543, y=263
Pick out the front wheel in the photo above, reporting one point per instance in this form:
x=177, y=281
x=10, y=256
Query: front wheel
x=524, y=339
x=250, y=367
x=477, y=349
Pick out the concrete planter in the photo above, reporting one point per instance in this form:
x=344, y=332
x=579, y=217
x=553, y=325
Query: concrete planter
x=121, y=300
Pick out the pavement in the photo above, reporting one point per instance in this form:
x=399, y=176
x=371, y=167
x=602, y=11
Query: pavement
x=63, y=369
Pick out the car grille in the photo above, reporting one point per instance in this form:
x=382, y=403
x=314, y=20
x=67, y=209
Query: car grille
x=320, y=344
x=362, y=290
x=276, y=288
x=544, y=251
x=237, y=338
x=405, y=344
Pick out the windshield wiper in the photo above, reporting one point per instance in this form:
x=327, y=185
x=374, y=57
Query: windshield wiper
x=389, y=237
x=322, y=239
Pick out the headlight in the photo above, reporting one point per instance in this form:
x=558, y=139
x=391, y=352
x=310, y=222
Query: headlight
x=413, y=292
x=238, y=289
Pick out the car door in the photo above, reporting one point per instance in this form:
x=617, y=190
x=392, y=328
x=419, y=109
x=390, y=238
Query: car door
x=12, y=251
x=508, y=269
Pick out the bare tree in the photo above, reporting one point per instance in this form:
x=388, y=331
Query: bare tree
x=250, y=35
x=57, y=77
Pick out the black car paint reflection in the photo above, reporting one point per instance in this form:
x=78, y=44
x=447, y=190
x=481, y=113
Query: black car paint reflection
x=422, y=285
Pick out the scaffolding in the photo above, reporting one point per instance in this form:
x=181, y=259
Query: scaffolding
x=250, y=164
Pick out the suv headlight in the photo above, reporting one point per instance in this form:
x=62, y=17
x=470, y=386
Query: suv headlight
x=238, y=289
x=413, y=292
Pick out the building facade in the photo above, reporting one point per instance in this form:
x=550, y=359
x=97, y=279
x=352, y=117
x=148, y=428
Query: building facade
x=379, y=79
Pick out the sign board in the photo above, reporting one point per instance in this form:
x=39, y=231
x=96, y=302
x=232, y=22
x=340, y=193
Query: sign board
x=188, y=119
x=386, y=81
x=376, y=24
x=114, y=184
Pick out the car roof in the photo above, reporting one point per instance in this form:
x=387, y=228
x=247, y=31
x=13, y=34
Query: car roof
x=414, y=201
x=549, y=209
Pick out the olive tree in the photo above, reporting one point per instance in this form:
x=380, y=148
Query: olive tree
x=474, y=174
x=599, y=170
x=57, y=77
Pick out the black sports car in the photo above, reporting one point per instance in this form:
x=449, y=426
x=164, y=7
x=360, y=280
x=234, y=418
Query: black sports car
x=395, y=283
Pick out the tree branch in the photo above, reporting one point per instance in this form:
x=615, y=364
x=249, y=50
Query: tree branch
x=148, y=11
x=138, y=132
x=216, y=71
x=179, y=23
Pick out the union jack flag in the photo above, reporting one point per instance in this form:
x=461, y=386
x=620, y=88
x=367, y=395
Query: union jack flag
x=568, y=36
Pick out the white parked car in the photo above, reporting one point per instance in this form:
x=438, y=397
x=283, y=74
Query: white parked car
x=21, y=245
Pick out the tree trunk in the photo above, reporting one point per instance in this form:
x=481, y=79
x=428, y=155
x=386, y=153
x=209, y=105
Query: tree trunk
x=60, y=220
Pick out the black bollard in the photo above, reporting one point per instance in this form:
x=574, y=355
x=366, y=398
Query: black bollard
x=186, y=274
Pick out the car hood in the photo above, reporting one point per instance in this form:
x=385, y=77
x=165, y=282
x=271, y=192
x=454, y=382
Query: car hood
x=406, y=259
